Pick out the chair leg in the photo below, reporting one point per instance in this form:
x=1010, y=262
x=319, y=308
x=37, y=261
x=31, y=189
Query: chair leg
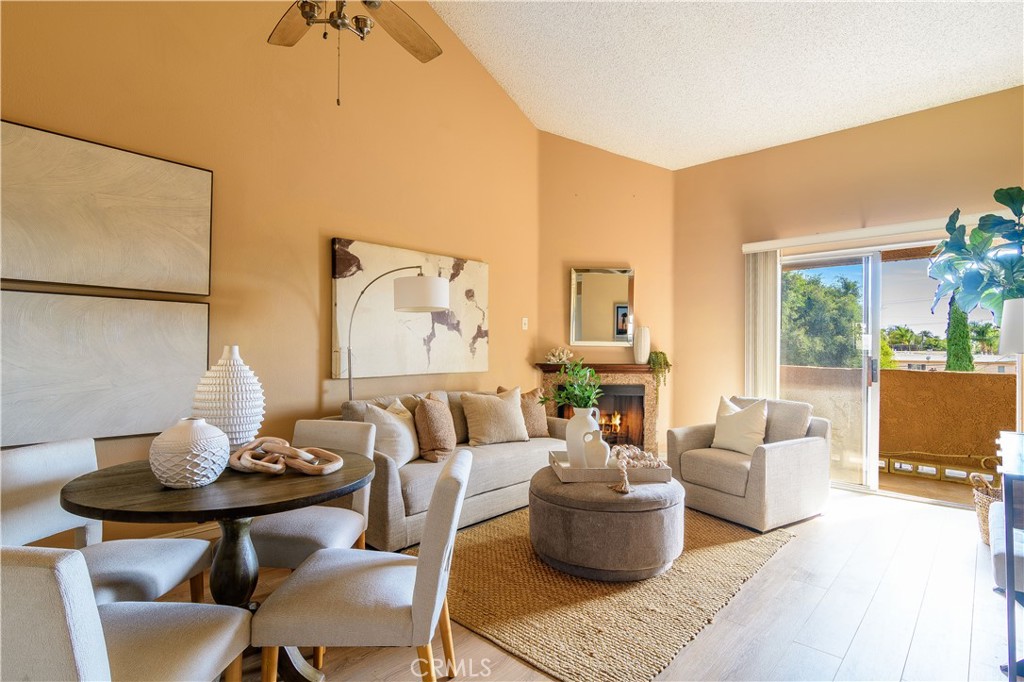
x=426, y=654
x=361, y=541
x=233, y=673
x=318, y=657
x=446, y=639
x=195, y=588
x=269, y=673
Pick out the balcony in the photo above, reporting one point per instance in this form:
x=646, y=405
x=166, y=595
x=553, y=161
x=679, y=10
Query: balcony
x=935, y=427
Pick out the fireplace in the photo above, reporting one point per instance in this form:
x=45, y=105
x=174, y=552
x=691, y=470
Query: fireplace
x=622, y=414
x=629, y=390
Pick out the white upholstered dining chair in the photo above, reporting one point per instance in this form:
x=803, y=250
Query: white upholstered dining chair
x=349, y=598
x=52, y=628
x=121, y=570
x=285, y=540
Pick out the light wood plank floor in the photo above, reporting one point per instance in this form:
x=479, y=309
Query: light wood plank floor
x=876, y=589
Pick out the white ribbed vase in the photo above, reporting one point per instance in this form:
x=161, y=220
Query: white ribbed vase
x=642, y=345
x=190, y=454
x=230, y=397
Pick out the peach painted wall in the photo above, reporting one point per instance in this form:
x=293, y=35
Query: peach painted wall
x=598, y=209
x=915, y=167
x=431, y=157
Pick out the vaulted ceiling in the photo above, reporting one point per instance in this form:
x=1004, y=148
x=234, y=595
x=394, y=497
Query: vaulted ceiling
x=678, y=84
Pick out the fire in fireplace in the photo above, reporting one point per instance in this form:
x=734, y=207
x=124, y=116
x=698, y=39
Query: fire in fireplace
x=622, y=414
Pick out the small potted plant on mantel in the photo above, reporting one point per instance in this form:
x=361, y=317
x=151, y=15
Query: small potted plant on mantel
x=578, y=387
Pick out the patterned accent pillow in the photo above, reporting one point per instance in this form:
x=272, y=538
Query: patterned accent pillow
x=396, y=432
x=534, y=415
x=435, y=429
x=494, y=418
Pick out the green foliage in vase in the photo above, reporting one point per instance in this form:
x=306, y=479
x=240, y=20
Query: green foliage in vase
x=580, y=386
x=958, y=340
x=977, y=269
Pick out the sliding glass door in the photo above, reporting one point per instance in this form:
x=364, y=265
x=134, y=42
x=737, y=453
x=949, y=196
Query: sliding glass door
x=829, y=349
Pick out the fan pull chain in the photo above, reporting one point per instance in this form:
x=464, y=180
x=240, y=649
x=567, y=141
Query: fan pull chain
x=339, y=69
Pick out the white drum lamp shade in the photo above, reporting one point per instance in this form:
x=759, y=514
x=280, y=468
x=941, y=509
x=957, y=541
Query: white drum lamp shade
x=421, y=294
x=1011, y=334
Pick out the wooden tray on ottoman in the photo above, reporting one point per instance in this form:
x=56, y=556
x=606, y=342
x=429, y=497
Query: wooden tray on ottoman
x=559, y=460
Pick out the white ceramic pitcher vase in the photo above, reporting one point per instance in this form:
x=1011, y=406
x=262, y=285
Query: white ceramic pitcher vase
x=583, y=421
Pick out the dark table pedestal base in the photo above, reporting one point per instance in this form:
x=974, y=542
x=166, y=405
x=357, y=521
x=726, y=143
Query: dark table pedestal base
x=235, y=569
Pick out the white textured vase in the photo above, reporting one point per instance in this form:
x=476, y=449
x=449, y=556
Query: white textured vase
x=190, y=454
x=230, y=397
x=584, y=420
x=642, y=345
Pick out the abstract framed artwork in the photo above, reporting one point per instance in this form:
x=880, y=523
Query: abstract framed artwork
x=76, y=212
x=91, y=366
x=389, y=343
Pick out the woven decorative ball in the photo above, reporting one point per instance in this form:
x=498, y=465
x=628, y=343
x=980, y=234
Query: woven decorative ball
x=230, y=397
x=190, y=454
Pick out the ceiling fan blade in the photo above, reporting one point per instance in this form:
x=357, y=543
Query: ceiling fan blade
x=290, y=28
x=403, y=29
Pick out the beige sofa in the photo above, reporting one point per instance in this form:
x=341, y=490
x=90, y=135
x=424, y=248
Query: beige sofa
x=499, y=482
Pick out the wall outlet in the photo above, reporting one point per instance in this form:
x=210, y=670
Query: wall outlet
x=526, y=323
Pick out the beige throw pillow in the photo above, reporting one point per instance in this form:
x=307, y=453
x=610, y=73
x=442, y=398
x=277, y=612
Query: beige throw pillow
x=435, y=429
x=740, y=430
x=494, y=418
x=396, y=432
x=533, y=413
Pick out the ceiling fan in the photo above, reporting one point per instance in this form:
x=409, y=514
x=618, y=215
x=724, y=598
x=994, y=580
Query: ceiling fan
x=304, y=13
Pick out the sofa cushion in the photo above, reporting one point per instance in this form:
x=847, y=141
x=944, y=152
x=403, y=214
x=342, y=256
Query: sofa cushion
x=494, y=418
x=740, y=429
x=787, y=419
x=534, y=415
x=459, y=414
x=723, y=470
x=435, y=429
x=355, y=410
x=494, y=467
x=396, y=432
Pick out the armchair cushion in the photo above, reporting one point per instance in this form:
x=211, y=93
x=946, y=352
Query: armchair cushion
x=787, y=419
x=723, y=470
x=740, y=429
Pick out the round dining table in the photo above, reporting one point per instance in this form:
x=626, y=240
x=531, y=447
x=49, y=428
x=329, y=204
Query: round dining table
x=131, y=493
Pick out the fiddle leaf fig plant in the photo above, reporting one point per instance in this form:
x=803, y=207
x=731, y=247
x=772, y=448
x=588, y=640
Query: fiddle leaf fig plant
x=580, y=386
x=977, y=269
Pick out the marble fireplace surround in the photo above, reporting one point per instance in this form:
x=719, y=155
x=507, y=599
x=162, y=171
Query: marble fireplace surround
x=615, y=375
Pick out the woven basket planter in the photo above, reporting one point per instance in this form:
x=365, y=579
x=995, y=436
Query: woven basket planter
x=984, y=495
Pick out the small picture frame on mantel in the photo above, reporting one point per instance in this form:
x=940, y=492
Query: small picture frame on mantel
x=620, y=320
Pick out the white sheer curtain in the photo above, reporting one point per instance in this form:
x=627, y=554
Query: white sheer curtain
x=761, y=328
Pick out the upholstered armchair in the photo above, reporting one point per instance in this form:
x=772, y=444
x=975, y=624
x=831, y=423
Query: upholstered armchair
x=783, y=481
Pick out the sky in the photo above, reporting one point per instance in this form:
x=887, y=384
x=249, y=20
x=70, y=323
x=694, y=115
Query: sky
x=907, y=293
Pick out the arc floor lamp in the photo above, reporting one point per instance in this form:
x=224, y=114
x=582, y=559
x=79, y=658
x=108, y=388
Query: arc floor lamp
x=416, y=294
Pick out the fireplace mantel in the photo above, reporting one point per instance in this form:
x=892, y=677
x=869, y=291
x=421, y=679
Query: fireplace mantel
x=553, y=367
x=615, y=375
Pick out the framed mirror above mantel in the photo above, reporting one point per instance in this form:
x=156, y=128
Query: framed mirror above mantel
x=601, y=307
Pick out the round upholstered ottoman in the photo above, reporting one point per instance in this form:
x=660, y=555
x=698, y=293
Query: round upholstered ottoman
x=589, y=530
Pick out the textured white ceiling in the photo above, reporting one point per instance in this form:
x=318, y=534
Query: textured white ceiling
x=677, y=84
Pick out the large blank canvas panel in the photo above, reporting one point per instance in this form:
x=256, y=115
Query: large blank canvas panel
x=81, y=213
x=89, y=366
x=389, y=343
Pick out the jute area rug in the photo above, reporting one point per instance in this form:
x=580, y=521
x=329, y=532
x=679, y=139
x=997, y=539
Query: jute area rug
x=577, y=629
